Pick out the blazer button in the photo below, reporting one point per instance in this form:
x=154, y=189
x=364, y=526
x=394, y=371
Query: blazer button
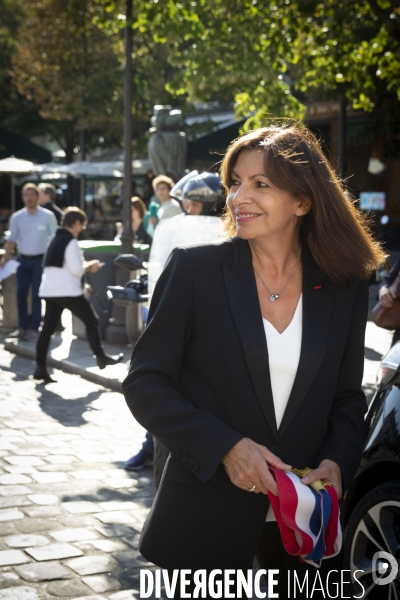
x=184, y=458
x=275, y=450
x=195, y=466
x=178, y=454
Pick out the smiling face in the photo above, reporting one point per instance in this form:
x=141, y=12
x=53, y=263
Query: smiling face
x=259, y=208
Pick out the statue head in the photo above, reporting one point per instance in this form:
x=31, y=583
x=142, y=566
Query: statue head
x=166, y=119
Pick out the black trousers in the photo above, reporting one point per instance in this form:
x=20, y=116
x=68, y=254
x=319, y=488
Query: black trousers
x=294, y=579
x=79, y=307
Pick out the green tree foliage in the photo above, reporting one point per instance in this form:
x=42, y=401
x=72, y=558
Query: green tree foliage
x=17, y=113
x=68, y=67
x=271, y=55
x=69, y=60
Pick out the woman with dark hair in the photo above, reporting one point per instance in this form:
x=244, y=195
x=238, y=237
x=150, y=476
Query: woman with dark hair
x=253, y=358
x=61, y=288
x=138, y=210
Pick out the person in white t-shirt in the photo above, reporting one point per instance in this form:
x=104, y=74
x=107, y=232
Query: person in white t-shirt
x=61, y=287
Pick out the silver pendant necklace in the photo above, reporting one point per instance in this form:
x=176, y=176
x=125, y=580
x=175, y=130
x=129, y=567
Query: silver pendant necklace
x=272, y=296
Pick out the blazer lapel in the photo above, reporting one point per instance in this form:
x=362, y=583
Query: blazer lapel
x=318, y=293
x=246, y=312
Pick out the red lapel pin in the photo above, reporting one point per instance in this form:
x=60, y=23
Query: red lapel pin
x=317, y=287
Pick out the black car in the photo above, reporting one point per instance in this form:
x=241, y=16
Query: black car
x=372, y=503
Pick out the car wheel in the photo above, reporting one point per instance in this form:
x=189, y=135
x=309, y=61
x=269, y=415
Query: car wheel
x=374, y=526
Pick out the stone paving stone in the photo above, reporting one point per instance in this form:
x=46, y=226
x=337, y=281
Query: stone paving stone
x=44, y=488
x=54, y=552
x=102, y=583
x=60, y=459
x=79, y=521
x=13, y=501
x=131, y=559
x=90, y=598
x=133, y=541
x=69, y=588
x=125, y=595
x=118, y=505
x=56, y=477
x=24, y=541
x=95, y=474
x=30, y=525
x=91, y=458
x=43, y=511
x=8, y=529
x=25, y=448
x=91, y=565
x=117, y=517
x=10, y=514
x=76, y=534
x=24, y=460
x=146, y=480
x=103, y=545
x=80, y=506
x=13, y=557
x=4, y=445
x=23, y=470
x=138, y=526
x=121, y=483
x=19, y=593
x=44, y=499
x=66, y=451
x=14, y=479
x=8, y=578
x=35, y=572
x=56, y=468
x=115, y=530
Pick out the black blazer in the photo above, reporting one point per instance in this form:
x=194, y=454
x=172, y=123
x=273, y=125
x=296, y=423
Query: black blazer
x=199, y=381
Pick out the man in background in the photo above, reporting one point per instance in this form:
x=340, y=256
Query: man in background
x=31, y=231
x=165, y=208
x=47, y=199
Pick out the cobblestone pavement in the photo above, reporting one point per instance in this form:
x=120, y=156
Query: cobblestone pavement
x=70, y=516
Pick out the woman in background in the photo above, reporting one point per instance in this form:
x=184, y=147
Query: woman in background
x=138, y=210
x=61, y=287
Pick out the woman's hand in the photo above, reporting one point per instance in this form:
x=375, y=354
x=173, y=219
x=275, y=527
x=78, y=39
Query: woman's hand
x=386, y=296
x=329, y=472
x=92, y=266
x=247, y=465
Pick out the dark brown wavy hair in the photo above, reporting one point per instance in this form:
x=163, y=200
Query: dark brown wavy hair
x=337, y=233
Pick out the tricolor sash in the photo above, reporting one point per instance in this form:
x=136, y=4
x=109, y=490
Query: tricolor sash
x=308, y=519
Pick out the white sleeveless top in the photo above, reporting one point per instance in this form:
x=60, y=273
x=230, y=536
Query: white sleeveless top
x=284, y=355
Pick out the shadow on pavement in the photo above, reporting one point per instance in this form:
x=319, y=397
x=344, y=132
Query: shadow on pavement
x=372, y=354
x=67, y=412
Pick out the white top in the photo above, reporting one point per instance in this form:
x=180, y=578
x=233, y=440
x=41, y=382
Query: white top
x=65, y=281
x=169, y=209
x=284, y=355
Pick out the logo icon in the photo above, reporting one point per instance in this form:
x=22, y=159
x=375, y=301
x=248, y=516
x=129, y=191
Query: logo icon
x=384, y=568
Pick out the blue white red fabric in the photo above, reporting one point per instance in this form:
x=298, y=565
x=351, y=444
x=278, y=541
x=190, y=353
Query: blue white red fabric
x=309, y=521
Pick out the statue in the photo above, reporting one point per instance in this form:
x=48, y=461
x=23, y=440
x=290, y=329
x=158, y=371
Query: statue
x=167, y=146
